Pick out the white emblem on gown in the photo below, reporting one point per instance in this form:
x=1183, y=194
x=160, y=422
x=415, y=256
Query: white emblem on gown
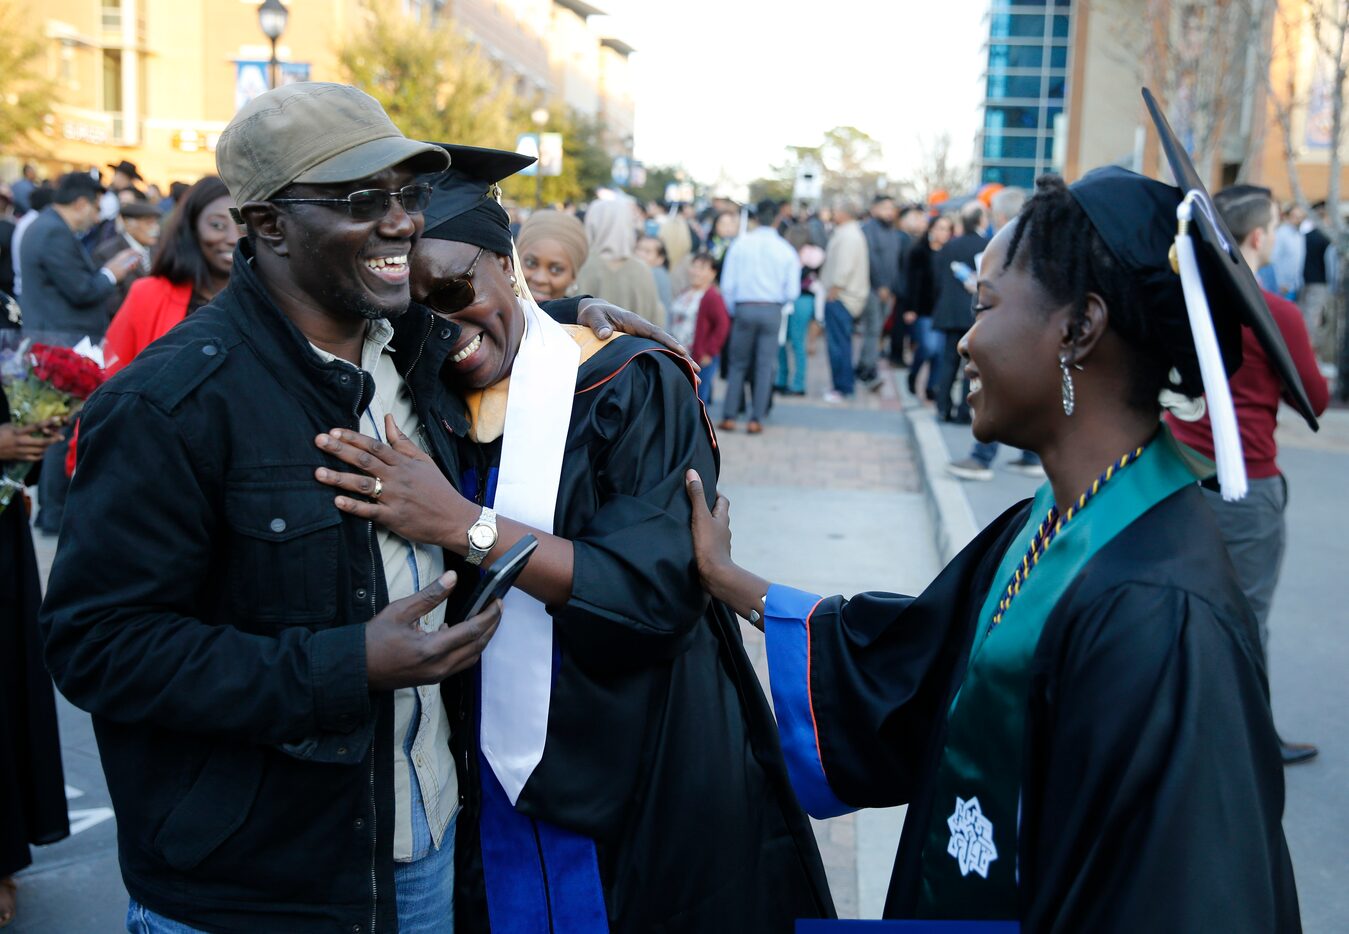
x=971, y=837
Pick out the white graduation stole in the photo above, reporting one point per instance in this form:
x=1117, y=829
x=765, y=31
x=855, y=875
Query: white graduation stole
x=517, y=666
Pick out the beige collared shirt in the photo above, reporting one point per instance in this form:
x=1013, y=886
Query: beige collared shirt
x=407, y=568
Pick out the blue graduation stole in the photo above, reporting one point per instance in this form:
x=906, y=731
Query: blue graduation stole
x=539, y=877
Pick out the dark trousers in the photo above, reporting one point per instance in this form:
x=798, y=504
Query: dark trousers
x=838, y=328
x=753, y=353
x=52, y=487
x=949, y=371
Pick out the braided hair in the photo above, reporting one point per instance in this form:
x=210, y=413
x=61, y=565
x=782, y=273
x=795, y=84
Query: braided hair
x=1068, y=259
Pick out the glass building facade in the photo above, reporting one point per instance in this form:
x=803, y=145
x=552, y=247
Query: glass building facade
x=1025, y=87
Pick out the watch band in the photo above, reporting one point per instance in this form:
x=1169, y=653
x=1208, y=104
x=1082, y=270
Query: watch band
x=486, y=521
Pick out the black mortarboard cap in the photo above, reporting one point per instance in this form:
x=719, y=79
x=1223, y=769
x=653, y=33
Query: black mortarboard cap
x=1136, y=218
x=464, y=205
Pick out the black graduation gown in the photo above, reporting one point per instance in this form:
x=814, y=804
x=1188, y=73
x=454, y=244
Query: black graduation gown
x=661, y=745
x=32, y=785
x=1152, y=790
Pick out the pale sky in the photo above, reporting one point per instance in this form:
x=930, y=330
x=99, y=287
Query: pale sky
x=723, y=86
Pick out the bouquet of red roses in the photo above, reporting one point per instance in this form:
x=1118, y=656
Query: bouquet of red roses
x=45, y=385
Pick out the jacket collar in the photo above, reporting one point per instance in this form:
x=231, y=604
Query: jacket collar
x=422, y=342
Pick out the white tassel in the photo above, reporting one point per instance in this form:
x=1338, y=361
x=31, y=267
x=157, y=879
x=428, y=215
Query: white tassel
x=1222, y=413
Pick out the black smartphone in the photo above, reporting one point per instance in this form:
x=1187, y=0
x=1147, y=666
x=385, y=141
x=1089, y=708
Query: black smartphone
x=500, y=577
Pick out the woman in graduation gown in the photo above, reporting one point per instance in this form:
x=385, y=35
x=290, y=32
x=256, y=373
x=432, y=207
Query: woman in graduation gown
x=32, y=789
x=1075, y=711
x=621, y=763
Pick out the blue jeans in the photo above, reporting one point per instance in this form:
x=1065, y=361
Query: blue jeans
x=986, y=451
x=838, y=326
x=425, y=889
x=141, y=920
x=705, y=380
x=927, y=347
x=798, y=324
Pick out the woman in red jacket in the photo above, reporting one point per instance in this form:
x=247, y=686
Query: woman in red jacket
x=191, y=267
x=710, y=323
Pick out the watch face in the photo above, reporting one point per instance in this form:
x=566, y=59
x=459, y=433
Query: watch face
x=481, y=536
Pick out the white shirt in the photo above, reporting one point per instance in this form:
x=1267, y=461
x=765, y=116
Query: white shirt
x=761, y=267
x=20, y=226
x=407, y=568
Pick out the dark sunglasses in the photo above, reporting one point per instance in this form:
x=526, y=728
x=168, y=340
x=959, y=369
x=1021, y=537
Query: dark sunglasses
x=457, y=293
x=373, y=203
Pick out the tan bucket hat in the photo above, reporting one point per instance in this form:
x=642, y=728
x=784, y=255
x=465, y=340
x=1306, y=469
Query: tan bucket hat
x=313, y=132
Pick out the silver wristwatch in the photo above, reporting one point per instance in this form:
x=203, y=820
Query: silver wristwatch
x=482, y=536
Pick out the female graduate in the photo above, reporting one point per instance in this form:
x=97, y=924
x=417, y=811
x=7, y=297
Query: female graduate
x=620, y=760
x=1075, y=710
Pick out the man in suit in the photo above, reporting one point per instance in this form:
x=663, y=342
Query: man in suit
x=140, y=222
x=63, y=291
x=65, y=297
x=953, y=310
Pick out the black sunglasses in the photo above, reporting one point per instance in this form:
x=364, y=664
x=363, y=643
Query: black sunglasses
x=457, y=293
x=373, y=203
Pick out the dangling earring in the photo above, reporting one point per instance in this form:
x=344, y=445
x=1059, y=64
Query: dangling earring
x=1069, y=394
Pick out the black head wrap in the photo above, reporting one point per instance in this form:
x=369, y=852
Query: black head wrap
x=464, y=206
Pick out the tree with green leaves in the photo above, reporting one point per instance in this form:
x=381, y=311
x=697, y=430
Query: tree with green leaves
x=26, y=91
x=433, y=82
x=585, y=164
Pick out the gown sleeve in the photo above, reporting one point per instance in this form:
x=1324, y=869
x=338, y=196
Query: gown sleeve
x=635, y=594
x=1159, y=778
x=860, y=686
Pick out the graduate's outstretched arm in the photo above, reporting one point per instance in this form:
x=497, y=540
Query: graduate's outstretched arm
x=852, y=680
x=741, y=590
x=419, y=504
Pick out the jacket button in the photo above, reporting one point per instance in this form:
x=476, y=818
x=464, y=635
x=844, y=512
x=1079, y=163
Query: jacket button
x=359, y=823
x=361, y=593
x=341, y=750
x=278, y=525
x=210, y=350
x=344, y=378
x=355, y=929
x=445, y=334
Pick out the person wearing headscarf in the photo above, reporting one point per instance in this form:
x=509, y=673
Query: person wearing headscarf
x=553, y=248
x=1076, y=710
x=613, y=272
x=675, y=814
x=676, y=236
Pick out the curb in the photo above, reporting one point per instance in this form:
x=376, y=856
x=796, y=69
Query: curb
x=953, y=525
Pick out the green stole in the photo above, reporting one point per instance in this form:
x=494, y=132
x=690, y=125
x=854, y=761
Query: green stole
x=969, y=862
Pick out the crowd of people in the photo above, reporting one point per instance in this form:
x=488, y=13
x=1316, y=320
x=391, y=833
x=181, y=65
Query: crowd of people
x=345, y=381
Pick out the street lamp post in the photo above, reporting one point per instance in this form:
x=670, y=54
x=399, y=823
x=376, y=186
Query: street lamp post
x=540, y=119
x=272, y=17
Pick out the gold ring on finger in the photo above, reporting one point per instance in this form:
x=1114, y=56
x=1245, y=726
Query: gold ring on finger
x=379, y=488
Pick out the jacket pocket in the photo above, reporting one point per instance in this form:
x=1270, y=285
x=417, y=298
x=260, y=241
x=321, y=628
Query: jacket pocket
x=213, y=808
x=283, y=552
